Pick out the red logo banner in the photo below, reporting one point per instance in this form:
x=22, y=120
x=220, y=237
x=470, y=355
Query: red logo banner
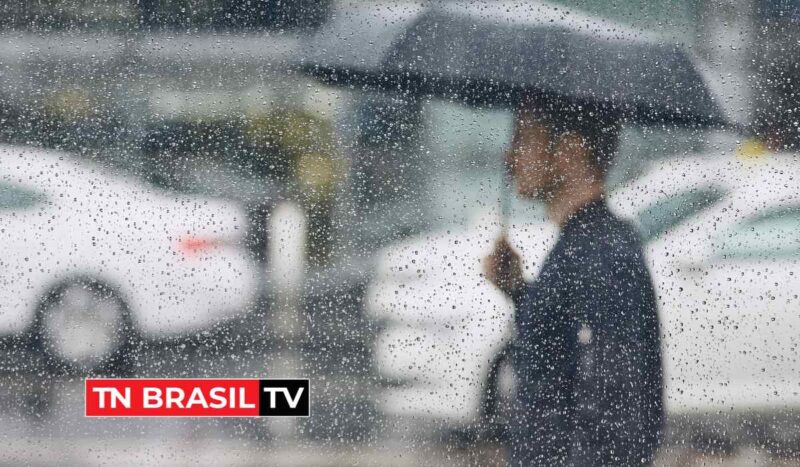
x=196, y=397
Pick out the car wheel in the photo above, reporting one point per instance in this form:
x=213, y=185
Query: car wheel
x=498, y=401
x=83, y=327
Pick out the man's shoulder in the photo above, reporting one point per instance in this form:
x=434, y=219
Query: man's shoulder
x=610, y=234
x=613, y=247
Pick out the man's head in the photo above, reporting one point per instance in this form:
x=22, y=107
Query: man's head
x=556, y=145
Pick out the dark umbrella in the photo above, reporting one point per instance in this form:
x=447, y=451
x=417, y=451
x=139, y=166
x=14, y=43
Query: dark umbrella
x=497, y=52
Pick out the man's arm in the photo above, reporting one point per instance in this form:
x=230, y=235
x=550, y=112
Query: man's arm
x=545, y=361
x=519, y=294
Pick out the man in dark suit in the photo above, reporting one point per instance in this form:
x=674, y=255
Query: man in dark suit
x=587, y=353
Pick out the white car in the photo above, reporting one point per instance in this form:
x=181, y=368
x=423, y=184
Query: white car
x=91, y=259
x=722, y=239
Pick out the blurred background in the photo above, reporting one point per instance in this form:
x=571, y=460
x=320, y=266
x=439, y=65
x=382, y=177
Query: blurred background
x=176, y=200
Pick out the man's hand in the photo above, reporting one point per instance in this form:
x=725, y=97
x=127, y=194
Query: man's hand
x=503, y=267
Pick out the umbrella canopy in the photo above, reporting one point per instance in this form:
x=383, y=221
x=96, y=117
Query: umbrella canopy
x=496, y=53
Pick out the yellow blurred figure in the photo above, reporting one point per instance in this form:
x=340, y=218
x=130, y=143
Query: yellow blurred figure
x=752, y=148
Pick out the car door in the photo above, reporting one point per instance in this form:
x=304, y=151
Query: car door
x=678, y=229
x=25, y=228
x=753, y=312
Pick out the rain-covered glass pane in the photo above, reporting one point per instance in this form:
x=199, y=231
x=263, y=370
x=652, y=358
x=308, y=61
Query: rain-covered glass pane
x=464, y=232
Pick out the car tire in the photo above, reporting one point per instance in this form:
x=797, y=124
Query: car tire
x=84, y=327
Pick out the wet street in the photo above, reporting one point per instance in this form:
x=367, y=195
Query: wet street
x=42, y=423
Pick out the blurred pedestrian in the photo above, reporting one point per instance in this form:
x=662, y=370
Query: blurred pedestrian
x=587, y=354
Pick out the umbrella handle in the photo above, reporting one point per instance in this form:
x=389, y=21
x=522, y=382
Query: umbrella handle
x=506, y=189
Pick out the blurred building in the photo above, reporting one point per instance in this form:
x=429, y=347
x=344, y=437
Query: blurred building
x=167, y=90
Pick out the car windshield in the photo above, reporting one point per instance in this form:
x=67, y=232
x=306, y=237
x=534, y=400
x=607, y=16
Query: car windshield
x=662, y=215
x=13, y=196
x=774, y=234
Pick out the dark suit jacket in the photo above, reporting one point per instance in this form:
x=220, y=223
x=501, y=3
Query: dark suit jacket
x=587, y=354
